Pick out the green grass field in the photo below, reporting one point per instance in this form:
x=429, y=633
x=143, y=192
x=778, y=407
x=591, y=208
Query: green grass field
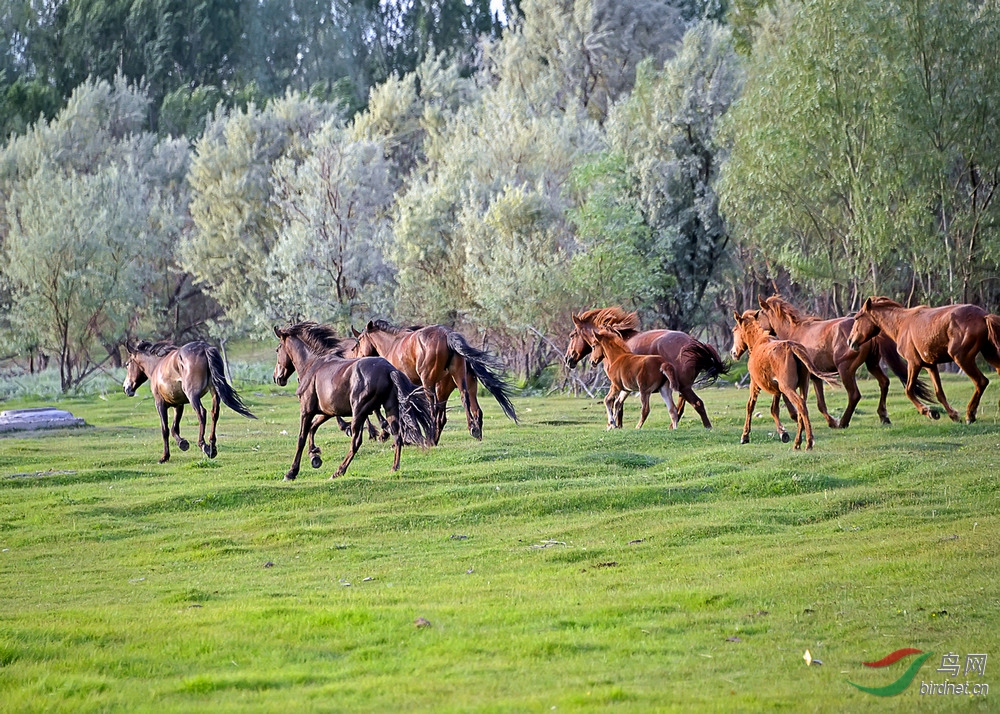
x=560, y=567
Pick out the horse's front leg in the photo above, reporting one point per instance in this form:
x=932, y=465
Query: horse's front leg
x=875, y=370
x=939, y=392
x=609, y=405
x=182, y=443
x=912, y=373
x=751, y=403
x=315, y=459
x=305, y=422
x=644, y=408
x=161, y=409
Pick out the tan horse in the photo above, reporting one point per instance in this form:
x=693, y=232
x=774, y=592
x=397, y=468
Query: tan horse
x=440, y=360
x=179, y=376
x=779, y=367
x=826, y=343
x=628, y=373
x=929, y=336
x=694, y=363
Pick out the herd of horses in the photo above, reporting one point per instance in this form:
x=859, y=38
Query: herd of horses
x=403, y=376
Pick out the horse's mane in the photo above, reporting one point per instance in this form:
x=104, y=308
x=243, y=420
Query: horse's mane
x=613, y=318
x=321, y=338
x=156, y=349
x=612, y=336
x=879, y=301
x=783, y=309
x=385, y=326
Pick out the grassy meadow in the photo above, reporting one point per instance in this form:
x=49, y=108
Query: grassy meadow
x=561, y=567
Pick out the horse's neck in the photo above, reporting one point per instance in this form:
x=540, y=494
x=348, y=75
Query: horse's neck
x=889, y=318
x=149, y=363
x=784, y=326
x=612, y=349
x=383, y=341
x=755, y=337
x=300, y=353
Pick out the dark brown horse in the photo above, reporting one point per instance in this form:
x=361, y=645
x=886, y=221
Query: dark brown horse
x=629, y=372
x=440, y=360
x=179, y=376
x=929, y=336
x=826, y=343
x=779, y=367
x=694, y=363
x=331, y=385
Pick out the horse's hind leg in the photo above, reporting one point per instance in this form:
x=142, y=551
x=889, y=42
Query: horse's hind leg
x=689, y=395
x=776, y=415
x=161, y=409
x=644, y=410
x=802, y=419
x=470, y=399
x=200, y=410
x=212, y=451
x=968, y=365
x=668, y=399
x=939, y=391
x=175, y=431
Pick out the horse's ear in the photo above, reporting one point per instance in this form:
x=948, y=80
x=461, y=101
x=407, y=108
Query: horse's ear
x=370, y=326
x=737, y=316
x=129, y=347
x=577, y=321
x=762, y=302
x=868, y=304
x=277, y=332
x=355, y=332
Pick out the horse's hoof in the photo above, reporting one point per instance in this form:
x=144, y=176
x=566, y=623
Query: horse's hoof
x=316, y=461
x=163, y=460
x=384, y=436
x=338, y=474
x=934, y=414
x=745, y=439
x=289, y=476
x=797, y=447
x=785, y=438
x=886, y=422
x=212, y=451
x=207, y=450
x=183, y=445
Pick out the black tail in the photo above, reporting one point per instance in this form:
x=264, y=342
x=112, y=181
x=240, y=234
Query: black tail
x=487, y=369
x=228, y=395
x=886, y=350
x=415, y=418
x=706, y=359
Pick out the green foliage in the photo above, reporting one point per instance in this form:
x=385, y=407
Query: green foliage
x=235, y=218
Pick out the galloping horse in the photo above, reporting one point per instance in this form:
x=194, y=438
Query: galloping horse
x=179, y=376
x=826, y=343
x=332, y=385
x=629, y=373
x=779, y=367
x=688, y=357
x=440, y=360
x=928, y=336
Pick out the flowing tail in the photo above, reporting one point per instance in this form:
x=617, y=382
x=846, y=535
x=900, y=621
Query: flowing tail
x=993, y=330
x=706, y=359
x=487, y=369
x=800, y=353
x=228, y=395
x=887, y=351
x=415, y=418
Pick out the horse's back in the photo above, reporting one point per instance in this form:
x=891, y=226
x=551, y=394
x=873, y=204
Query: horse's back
x=668, y=344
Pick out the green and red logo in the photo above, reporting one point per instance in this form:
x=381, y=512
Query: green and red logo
x=891, y=690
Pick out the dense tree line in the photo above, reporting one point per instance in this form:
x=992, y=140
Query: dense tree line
x=176, y=169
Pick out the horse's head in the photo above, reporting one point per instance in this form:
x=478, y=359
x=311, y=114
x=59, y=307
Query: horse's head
x=365, y=346
x=283, y=366
x=864, y=327
x=764, y=315
x=135, y=373
x=744, y=331
x=578, y=347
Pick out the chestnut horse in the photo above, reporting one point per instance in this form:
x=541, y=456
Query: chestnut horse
x=929, y=336
x=826, y=343
x=331, y=385
x=694, y=363
x=629, y=372
x=779, y=367
x=440, y=360
x=179, y=376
